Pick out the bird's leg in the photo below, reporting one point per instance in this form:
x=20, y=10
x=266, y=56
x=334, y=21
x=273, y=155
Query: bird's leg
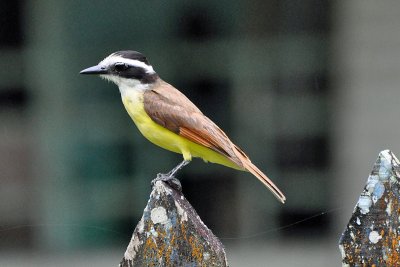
x=177, y=168
x=170, y=176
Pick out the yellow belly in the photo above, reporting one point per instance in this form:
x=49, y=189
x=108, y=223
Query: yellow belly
x=167, y=139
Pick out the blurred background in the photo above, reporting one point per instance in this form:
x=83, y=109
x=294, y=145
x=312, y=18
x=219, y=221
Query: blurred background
x=309, y=89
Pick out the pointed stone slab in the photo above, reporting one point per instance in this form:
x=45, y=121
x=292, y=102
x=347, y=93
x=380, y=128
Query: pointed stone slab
x=372, y=237
x=171, y=233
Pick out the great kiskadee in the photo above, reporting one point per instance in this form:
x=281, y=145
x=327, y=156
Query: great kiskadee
x=167, y=118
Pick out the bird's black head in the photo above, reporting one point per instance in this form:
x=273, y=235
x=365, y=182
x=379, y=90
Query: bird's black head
x=134, y=55
x=123, y=65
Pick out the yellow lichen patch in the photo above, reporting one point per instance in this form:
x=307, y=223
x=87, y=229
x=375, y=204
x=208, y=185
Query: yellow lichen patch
x=161, y=246
x=183, y=230
x=391, y=243
x=149, y=251
x=150, y=247
x=196, y=248
x=168, y=252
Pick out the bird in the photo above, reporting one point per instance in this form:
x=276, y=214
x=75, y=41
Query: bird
x=167, y=118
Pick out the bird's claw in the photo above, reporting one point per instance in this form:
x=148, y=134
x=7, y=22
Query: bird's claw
x=169, y=179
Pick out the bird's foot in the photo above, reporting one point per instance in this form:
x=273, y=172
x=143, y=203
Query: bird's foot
x=169, y=179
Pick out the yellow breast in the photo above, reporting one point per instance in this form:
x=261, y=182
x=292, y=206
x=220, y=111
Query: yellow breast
x=158, y=135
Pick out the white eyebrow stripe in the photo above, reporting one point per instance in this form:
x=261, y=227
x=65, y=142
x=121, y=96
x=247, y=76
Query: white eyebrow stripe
x=108, y=61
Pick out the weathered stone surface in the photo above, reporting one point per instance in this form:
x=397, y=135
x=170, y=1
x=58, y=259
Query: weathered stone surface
x=372, y=237
x=171, y=233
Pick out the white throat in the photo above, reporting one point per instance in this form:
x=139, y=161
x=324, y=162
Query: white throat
x=127, y=85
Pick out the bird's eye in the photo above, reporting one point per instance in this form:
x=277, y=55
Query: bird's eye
x=121, y=66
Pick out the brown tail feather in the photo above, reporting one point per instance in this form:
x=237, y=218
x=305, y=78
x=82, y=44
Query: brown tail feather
x=265, y=180
x=244, y=159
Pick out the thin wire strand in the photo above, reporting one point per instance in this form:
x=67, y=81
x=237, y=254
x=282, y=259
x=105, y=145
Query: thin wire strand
x=282, y=227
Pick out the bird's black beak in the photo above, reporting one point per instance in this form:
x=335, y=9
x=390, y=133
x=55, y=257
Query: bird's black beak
x=95, y=70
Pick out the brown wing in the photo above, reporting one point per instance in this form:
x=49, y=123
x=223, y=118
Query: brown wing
x=171, y=109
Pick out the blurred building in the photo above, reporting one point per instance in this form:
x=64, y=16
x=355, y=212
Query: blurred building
x=306, y=88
